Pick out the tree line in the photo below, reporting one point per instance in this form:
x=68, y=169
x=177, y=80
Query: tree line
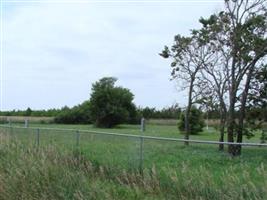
x=108, y=106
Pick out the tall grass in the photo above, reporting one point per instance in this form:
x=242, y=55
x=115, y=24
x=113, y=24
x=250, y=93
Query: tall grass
x=50, y=172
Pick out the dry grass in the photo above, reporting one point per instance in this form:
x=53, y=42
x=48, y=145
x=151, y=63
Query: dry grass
x=21, y=119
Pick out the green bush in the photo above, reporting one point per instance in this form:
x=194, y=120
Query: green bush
x=196, y=121
x=77, y=115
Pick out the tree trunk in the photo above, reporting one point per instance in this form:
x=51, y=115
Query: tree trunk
x=231, y=113
x=231, y=123
x=187, y=125
x=223, y=111
x=187, y=112
x=242, y=111
x=222, y=125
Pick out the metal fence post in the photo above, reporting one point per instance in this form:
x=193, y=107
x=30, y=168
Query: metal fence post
x=38, y=137
x=26, y=125
x=141, y=155
x=77, y=138
x=143, y=125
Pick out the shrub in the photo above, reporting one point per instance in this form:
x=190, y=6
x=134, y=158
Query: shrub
x=196, y=121
x=77, y=115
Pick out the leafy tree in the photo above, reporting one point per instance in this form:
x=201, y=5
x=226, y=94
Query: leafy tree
x=244, y=38
x=188, y=56
x=237, y=36
x=148, y=112
x=195, y=119
x=28, y=112
x=170, y=112
x=110, y=105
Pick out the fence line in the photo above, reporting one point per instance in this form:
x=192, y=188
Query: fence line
x=144, y=137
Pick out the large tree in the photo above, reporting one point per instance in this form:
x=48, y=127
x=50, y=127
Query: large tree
x=239, y=34
x=110, y=105
x=248, y=46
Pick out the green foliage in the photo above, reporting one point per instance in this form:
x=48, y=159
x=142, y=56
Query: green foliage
x=32, y=113
x=171, y=112
x=196, y=121
x=110, y=105
x=258, y=89
x=148, y=112
x=28, y=112
x=263, y=137
x=77, y=115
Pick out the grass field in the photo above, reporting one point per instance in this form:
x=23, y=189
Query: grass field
x=21, y=119
x=107, y=167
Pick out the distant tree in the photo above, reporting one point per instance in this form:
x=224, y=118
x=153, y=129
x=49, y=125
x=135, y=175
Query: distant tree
x=148, y=112
x=110, y=105
x=196, y=121
x=79, y=114
x=28, y=112
x=171, y=112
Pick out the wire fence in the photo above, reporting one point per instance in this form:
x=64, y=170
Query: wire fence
x=114, y=149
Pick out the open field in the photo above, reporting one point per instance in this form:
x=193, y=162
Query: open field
x=21, y=119
x=50, y=120
x=107, y=167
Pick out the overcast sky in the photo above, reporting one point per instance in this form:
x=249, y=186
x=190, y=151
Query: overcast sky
x=53, y=52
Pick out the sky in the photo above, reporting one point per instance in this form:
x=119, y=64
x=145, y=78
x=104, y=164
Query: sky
x=53, y=51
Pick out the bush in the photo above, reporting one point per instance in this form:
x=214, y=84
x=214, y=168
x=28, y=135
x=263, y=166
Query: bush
x=196, y=121
x=77, y=115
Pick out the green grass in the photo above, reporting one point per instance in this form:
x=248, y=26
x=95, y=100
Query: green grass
x=106, y=167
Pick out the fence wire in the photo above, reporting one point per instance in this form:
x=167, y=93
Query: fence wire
x=116, y=149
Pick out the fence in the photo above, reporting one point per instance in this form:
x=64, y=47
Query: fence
x=107, y=148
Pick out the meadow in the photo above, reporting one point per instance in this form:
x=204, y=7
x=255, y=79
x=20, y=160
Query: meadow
x=97, y=166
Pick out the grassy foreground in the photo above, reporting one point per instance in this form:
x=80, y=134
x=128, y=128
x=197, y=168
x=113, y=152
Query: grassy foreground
x=107, y=168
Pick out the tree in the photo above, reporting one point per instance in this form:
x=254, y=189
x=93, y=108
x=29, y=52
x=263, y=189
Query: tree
x=188, y=56
x=215, y=79
x=148, y=112
x=239, y=34
x=248, y=46
x=28, y=112
x=196, y=121
x=110, y=105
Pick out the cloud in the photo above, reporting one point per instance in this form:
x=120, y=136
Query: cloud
x=54, y=52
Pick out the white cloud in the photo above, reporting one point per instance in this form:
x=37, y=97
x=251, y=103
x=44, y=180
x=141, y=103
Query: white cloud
x=54, y=52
